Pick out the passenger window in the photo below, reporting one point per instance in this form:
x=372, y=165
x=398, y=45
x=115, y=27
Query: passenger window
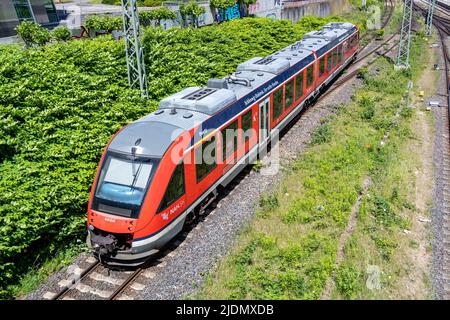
x=175, y=188
x=277, y=103
x=289, y=99
x=321, y=66
x=309, y=76
x=330, y=60
x=205, y=158
x=299, y=86
x=229, y=140
x=247, y=126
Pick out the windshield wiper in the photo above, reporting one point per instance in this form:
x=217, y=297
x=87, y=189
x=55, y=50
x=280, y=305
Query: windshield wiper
x=134, y=172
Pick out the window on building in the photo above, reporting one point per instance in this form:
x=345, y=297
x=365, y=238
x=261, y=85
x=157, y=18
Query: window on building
x=44, y=11
x=277, y=103
x=289, y=91
x=175, y=188
x=247, y=126
x=321, y=66
x=309, y=76
x=299, y=86
x=229, y=139
x=23, y=10
x=205, y=158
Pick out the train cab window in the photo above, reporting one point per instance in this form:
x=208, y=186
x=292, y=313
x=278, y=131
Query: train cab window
x=122, y=184
x=321, y=66
x=299, y=86
x=247, y=126
x=205, y=158
x=309, y=76
x=229, y=140
x=289, y=91
x=277, y=103
x=175, y=188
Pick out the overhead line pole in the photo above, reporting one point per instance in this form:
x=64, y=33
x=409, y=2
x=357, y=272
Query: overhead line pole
x=405, y=36
x=133, y=47
x=430, y=17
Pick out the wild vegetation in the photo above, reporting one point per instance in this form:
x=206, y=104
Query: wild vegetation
x=289, y=250
x=61, y=102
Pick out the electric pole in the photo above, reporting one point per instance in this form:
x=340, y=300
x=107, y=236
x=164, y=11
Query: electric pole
x=430, y=17
x=405, y=36
x=133, y=47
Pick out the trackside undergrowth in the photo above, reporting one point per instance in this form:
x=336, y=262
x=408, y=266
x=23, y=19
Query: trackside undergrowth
x=289, y=250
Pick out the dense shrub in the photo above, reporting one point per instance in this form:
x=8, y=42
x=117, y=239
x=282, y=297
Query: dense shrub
x=151, y=3
x=158, y=14
x=61, y=33
x=33, y=34
x=191, y=10
x=106, y=22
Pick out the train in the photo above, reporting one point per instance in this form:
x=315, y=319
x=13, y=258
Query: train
x=163, y=170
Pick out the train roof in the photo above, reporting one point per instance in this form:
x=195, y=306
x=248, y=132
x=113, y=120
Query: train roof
x=194, y=105
x=326, y=38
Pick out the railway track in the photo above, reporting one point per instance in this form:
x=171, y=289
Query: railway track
x=94, y=281
x=442, y=25
x=390, y=4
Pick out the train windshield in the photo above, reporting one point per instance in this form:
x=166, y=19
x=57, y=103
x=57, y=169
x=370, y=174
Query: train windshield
x=122, y=184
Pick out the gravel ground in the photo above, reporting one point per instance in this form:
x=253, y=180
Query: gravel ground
x=440, y=210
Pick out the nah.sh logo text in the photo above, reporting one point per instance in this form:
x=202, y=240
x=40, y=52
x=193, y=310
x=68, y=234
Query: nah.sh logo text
x=176, y=207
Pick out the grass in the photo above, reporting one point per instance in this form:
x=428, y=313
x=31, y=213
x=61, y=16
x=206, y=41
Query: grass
x=289, y=249
x=36, y=276
x=388, y=235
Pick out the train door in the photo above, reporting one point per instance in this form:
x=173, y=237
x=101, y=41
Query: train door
x=264, y=120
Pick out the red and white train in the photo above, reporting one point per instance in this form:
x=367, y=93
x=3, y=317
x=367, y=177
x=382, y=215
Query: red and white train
x=160, y=169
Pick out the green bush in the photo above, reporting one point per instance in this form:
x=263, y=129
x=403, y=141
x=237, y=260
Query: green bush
x=368, y=107
x=61, y=33
x=321, y=135
x=151, y=3
x=106, y=22
x=222, y=3
x=191, y=9
x=33, y=34
x=158, y=14
x=379, y=33
x=348, y=280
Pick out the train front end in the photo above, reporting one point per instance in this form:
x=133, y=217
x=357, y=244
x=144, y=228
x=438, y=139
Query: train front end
x=124, y=195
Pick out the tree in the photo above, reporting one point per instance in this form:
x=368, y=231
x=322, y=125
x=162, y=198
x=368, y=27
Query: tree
x=246, y=4
x=162, y=13
x=106, y=23
x=33, y=34
x=61, y=33
x=193, y=10
x=222, y=5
